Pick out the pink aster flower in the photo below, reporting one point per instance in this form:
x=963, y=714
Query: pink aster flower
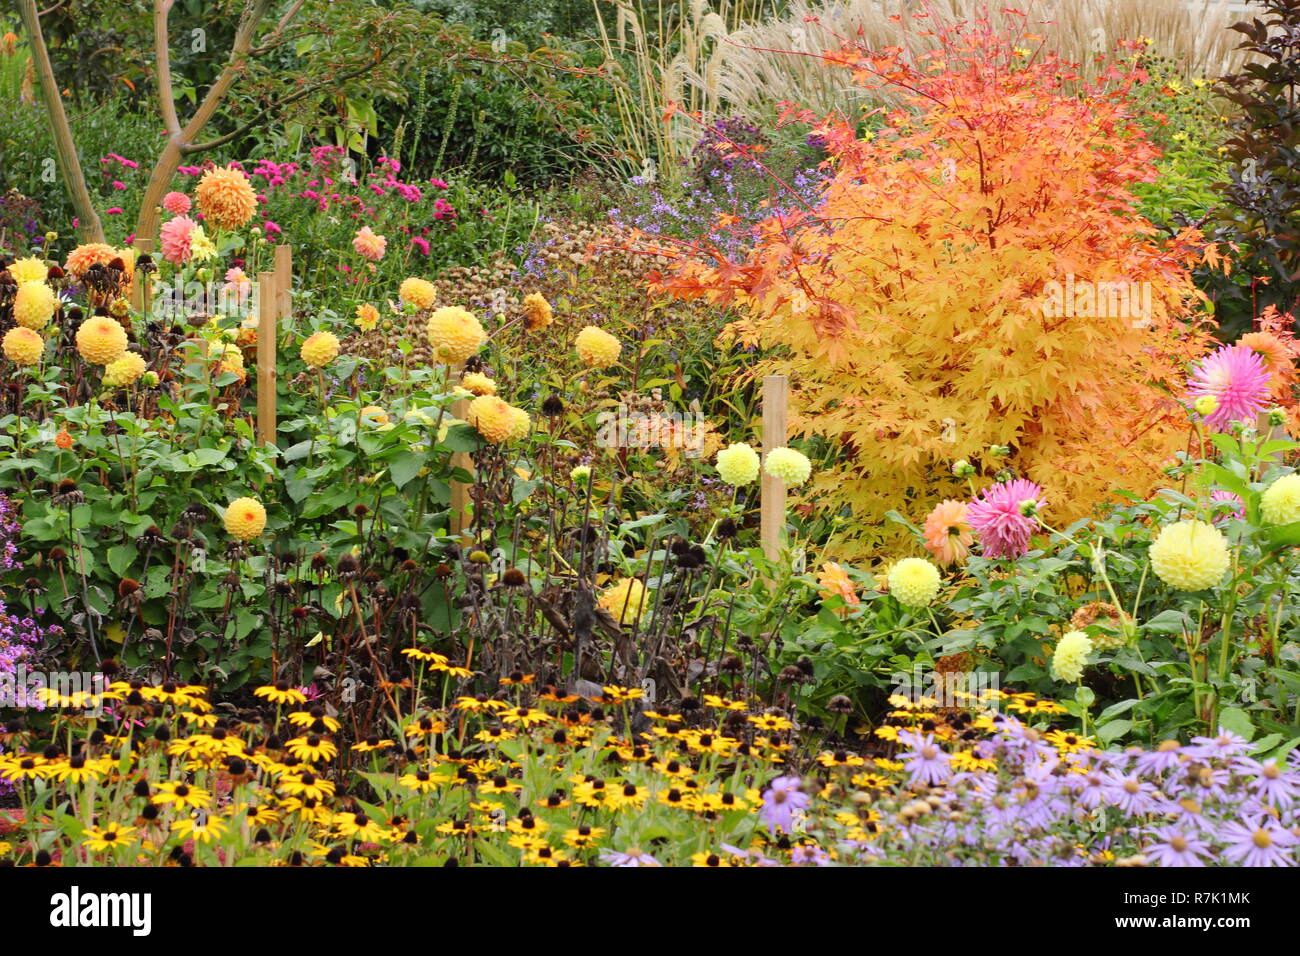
x=176, y=238
x=1235, y=376
x=995, y=516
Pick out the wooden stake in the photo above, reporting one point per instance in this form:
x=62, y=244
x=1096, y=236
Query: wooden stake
x=266, y=328
x=460, y=497
x=284, y=284
x=776, y=402
x=141, y=285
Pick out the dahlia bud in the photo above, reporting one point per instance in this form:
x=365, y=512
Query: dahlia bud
x=999, y=451
x=962, y=468
x=1206, y=405
x=1276, y=417
x=1028, y=508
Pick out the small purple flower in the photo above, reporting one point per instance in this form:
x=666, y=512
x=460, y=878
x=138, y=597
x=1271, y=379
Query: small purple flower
x=926, y=761
x=629, y=857
x=1263, y=842
x=1178, y=847
x=781, y=800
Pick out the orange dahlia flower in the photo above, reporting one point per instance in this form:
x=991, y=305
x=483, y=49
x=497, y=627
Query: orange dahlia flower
x=226, y=197
x=948, y=536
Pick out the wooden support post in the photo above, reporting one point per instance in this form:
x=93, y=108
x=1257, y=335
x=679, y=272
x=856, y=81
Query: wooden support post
x=460, y=498
x=266, y=341
x=284, y=286
x=141, y=285
x=776, y=402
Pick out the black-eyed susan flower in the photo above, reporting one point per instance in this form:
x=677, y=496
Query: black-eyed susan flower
x=281, y=693
x=108, y=837
x=627, y=795
x=772, y=723
x=525, y=716
x=455, y=828
x=200, y=826
x=421, y=654
x=355, y=825
x=313, y=748
x=422, y=781
x=373, y=743
x=178, y=794
x=310, y=718
x=840, y=758
x=425, y=725
x=305, y=784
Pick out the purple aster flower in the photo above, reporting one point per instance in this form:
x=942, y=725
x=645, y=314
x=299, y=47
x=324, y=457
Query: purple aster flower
x=996, y=517
x=1223, y=747
x=1131, y=794
x=926, y=761
x=1262, y=842
x=1178, y=847
x=629, y=857
x=781, y=800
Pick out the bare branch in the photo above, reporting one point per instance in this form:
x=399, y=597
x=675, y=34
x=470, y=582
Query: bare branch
x=162, y=57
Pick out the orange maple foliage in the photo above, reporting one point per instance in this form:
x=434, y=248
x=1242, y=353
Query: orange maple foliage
x=931, y=305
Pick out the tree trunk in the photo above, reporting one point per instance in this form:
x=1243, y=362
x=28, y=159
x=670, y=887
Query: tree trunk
x=89, y=228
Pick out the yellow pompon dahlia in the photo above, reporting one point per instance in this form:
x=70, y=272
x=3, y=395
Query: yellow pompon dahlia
x=367, y=317
x=790, y=466
x=23, y=346
x=229, y=358
x=92, y=253
x=245, y=518
x=124, y=371
x=476, y=383
x=597, y=348
x=1070, y=656
x=626, y=600
x=914, y=581
x=29, y=269
x=226, y=197
x=737, y=464
x=523, y=424
x=1280, y=503
x=537, y=311
x=1190, y=555
x=101, y=340
x=454, y=334
x=417, y=292
x=494, y=418
x=34, y=305
x=320, y=349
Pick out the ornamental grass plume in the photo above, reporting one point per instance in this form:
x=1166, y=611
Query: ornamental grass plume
x=1190, y=555
x=226, y=197
x=737, y=464
x=914, y=582
x=537, y=311
x=124, y=371
x=417, y=292
x=597, y=348
x=454, y=334
x=320, y=349
x=22, y=346
x=1070, y=656
x=1235, y=377
x=245, y=518
x=791, y=466
x=369, y=244
x=627, y=600
x=34, y=305
x=996, y=517
x=101, y=340
x=1280, y=503
x=948, y=535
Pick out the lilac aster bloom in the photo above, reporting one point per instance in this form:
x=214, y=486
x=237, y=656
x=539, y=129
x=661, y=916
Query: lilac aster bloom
x=629, y=857
x=1261, y=842
x=805, y=855
x=1223, y=746
x=1178, y=847
x=926, y=761
x=1270, y=782
x=781, y=800
x=1156, y=762
x=1130, y=793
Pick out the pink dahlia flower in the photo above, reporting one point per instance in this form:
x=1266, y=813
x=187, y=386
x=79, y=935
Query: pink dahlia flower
x=995, y=517
x=369, y=244
x=1226, y=505
x=1235, y=376
x=176, y=238
x=178, y=204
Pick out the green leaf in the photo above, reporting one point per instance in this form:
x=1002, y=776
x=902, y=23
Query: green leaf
x=120, y=557
x=1238, y=721
x=404, y=466
x=1113, y=730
